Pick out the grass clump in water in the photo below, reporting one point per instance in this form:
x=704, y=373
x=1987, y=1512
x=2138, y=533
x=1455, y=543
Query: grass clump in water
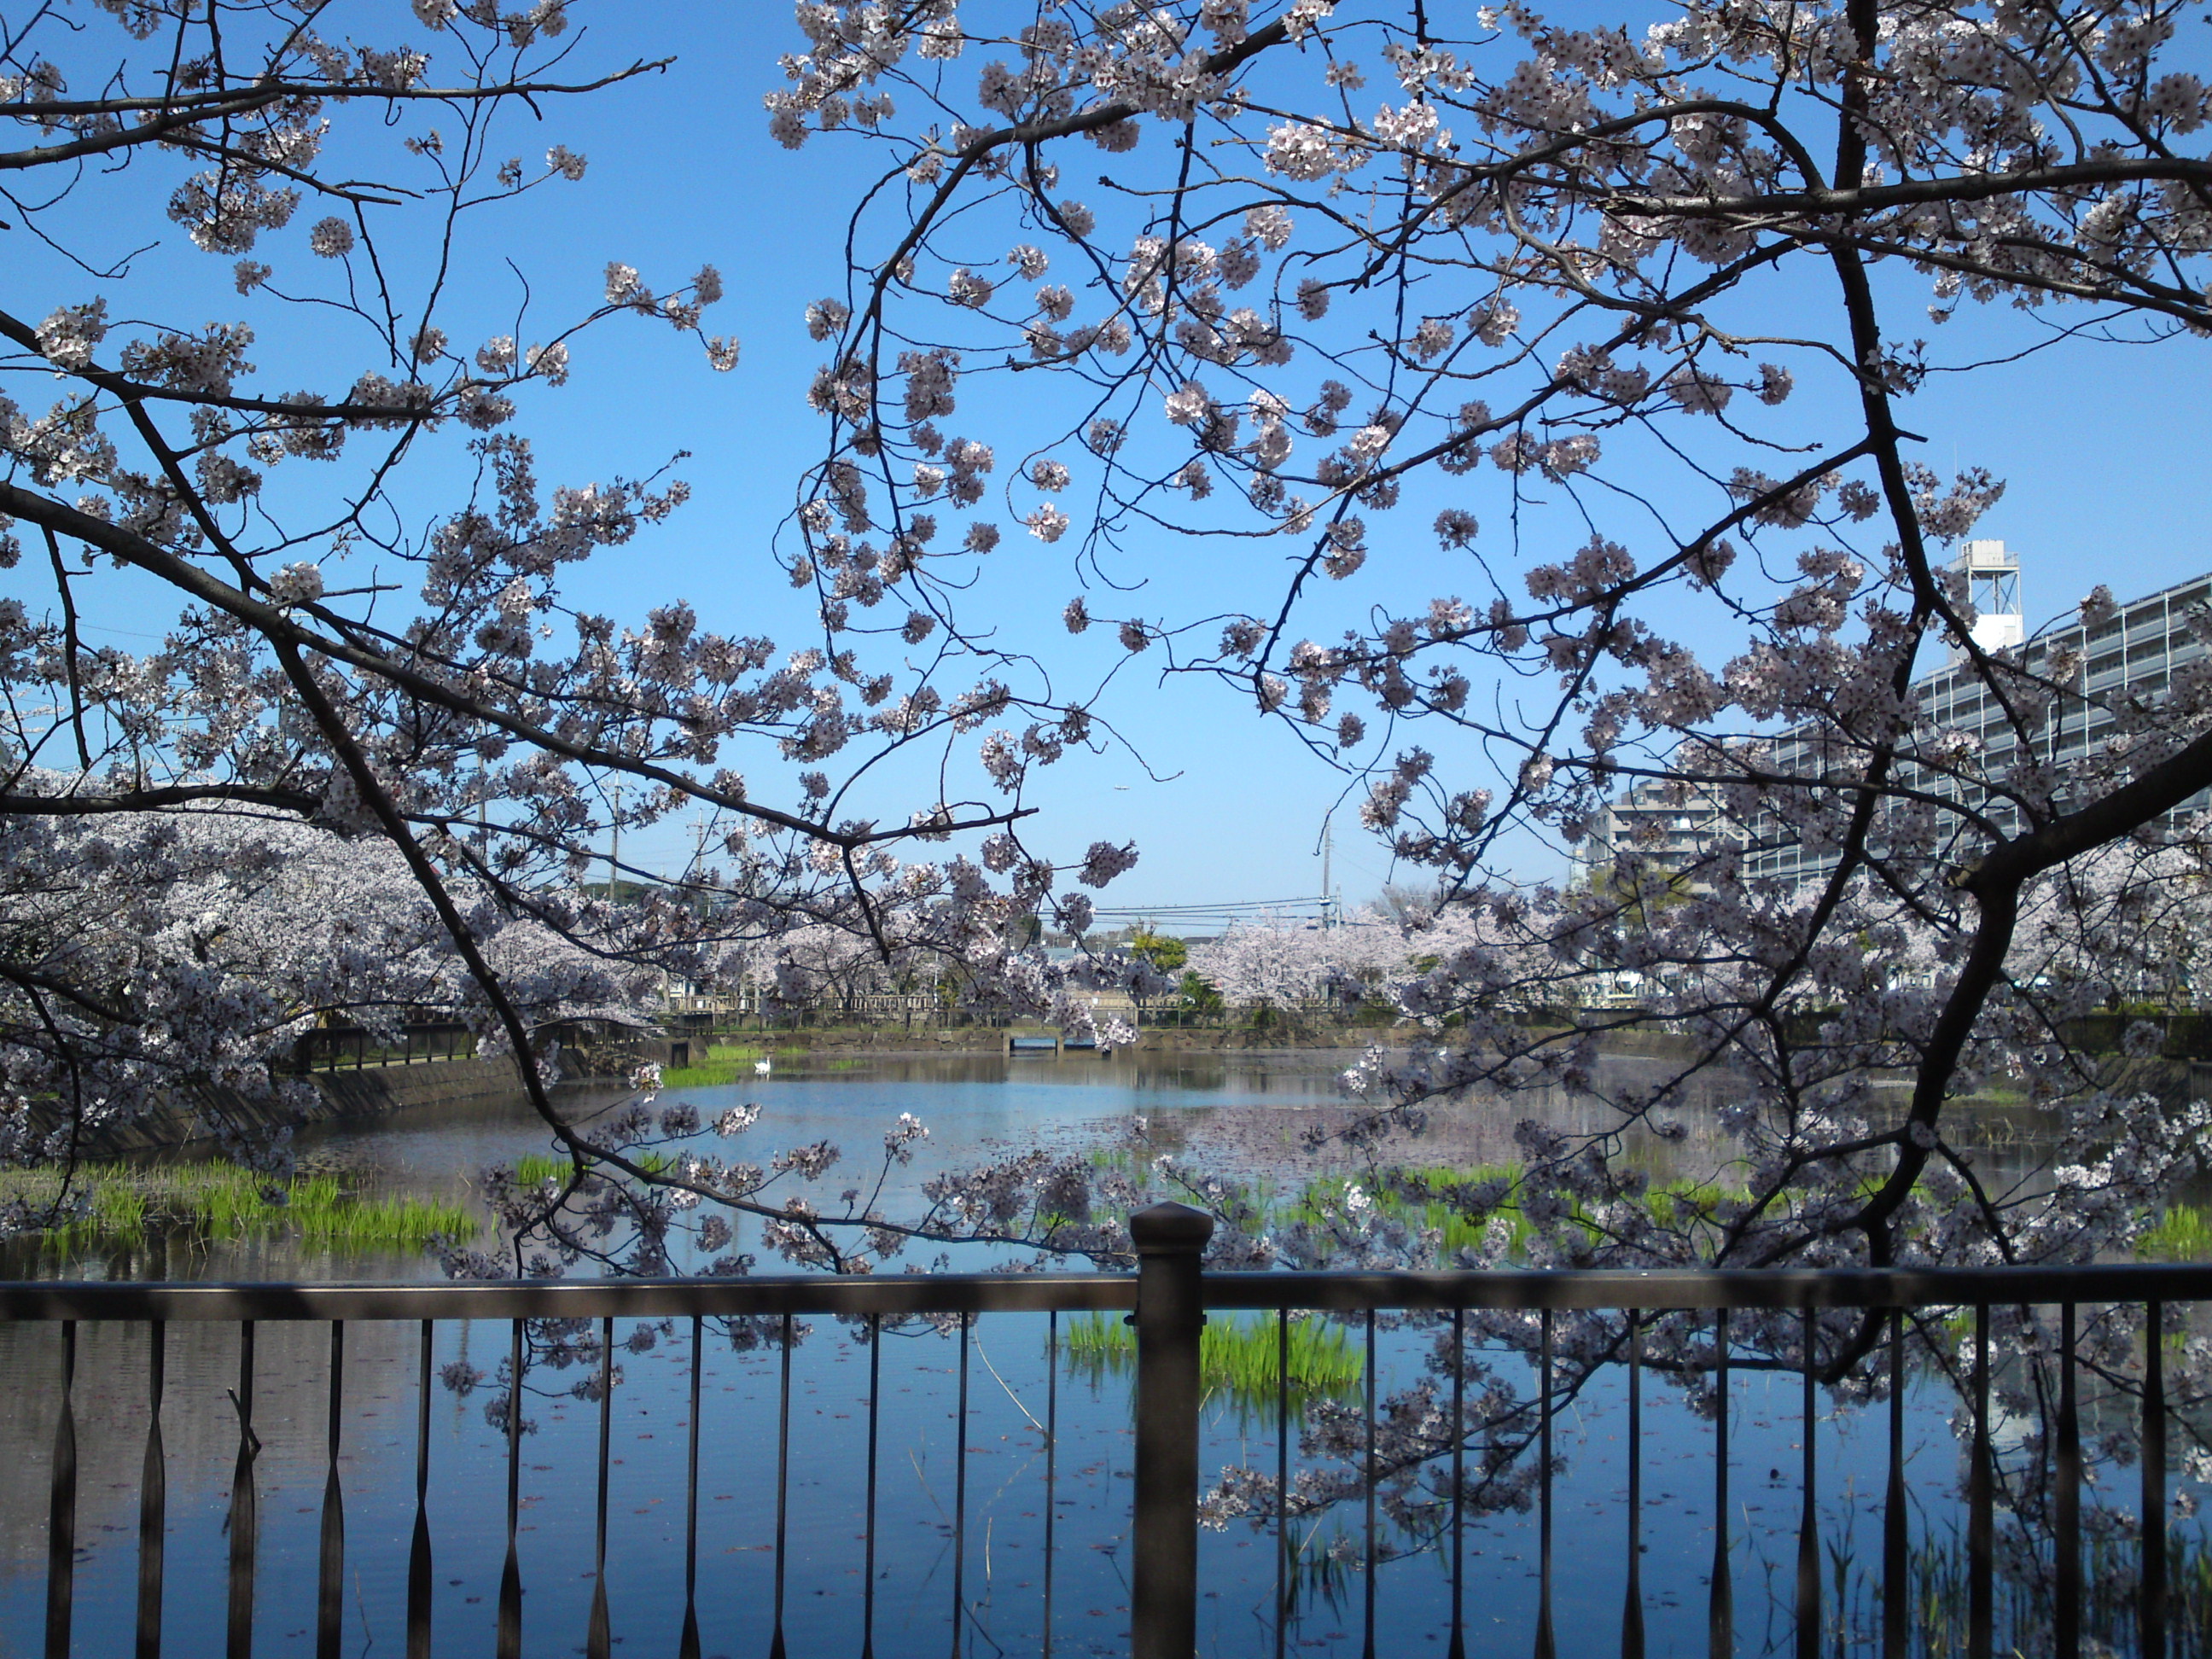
x=1237, y=1357
x=725, y=1063
x=125, y=1203
x=2183, y=1233
x=711, y=1075
x=533, y=1168
x=1426, y=1201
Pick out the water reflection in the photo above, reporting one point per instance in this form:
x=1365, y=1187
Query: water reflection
x=1239, y=1114
x=1244, y=1115
x=1006, y=1568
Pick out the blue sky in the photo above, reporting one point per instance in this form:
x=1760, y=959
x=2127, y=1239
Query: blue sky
x=2103, y=450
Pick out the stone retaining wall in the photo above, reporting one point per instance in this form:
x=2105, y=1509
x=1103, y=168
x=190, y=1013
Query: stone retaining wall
x=370, y=1092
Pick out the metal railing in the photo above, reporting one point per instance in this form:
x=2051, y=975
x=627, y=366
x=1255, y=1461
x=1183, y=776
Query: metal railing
x=1168, y=1300
x=352, y=1047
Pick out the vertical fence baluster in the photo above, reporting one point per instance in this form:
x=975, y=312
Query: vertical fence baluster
x=1981, y=1583
x=1282, y=1480
x=782, y=1486
x=599, y=1636
x=687, y=1646
x=1895, y=1589
x=960, y=1496
x=1632, y=1611
x=1371, y=1564
x=508, y=1643
x=1720, y=1613
x=1546, y=1647
x=1171, y=1240
x=330, y=1575
x=2069, y=1518
x=1051, y=1458
x=244, y=1519
x=61, y=1509
x=1458, y=1648
x=2154, y=1483
x=153, y=1498
x=1809, y=1526
x=418, y=1553
x=868, y=1533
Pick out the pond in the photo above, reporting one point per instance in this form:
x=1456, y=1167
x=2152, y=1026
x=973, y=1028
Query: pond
x=1240, y=1113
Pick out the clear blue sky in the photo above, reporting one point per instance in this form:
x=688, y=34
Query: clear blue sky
x=2102, y=448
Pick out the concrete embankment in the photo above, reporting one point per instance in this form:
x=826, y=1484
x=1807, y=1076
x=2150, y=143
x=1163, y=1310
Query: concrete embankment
x=371, y=1091
x=1154, y=1038
x=990, y=1039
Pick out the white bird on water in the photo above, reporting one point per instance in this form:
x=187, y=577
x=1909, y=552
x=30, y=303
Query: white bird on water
x=763, y=1066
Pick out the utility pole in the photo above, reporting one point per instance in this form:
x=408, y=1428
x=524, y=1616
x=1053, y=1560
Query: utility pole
x=1327, y=848
x=614, y=857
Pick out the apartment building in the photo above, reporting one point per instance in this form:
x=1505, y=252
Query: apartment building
x=2137, y=651
x=1673, y=826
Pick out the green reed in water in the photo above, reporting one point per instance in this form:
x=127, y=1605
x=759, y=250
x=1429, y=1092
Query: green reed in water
x=1238, y=1356
x=1939, y=1576
x=124, y=1204
x=726, y=1062
x=2183, y=1233
x=531, y=1168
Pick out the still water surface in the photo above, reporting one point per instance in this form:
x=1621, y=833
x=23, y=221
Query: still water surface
x=1242, y=1115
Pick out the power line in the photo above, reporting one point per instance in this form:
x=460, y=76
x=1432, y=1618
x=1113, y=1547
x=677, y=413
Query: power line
x=1225, y=913
x=1222, y=909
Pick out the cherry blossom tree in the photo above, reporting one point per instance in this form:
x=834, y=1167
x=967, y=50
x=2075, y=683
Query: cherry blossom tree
x=1309, y=265
x=188, y=948
x=365, y=670
x=1568, y=367
x=1285, y=962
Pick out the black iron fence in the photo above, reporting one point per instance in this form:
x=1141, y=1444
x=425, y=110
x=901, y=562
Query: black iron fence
x=351, y=1047
x=1167, y=1301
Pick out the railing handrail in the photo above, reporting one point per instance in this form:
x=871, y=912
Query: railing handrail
x=897, y=1294
x=1169, y=1293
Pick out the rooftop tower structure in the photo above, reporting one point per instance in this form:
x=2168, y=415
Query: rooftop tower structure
x=1993, y=589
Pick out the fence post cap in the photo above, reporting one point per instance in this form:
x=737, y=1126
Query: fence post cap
x=1164, y=1228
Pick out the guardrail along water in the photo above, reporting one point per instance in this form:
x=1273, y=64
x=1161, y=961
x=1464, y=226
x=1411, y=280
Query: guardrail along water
x=593, y=1510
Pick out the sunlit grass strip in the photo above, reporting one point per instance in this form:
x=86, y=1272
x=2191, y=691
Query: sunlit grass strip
x=727, y=1063
x=1237, y=1357
x=125, y=1203
x=531, y=1168
x=713, y=1075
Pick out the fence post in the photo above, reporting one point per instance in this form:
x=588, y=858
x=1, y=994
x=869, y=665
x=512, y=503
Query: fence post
x=1163, y=1594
